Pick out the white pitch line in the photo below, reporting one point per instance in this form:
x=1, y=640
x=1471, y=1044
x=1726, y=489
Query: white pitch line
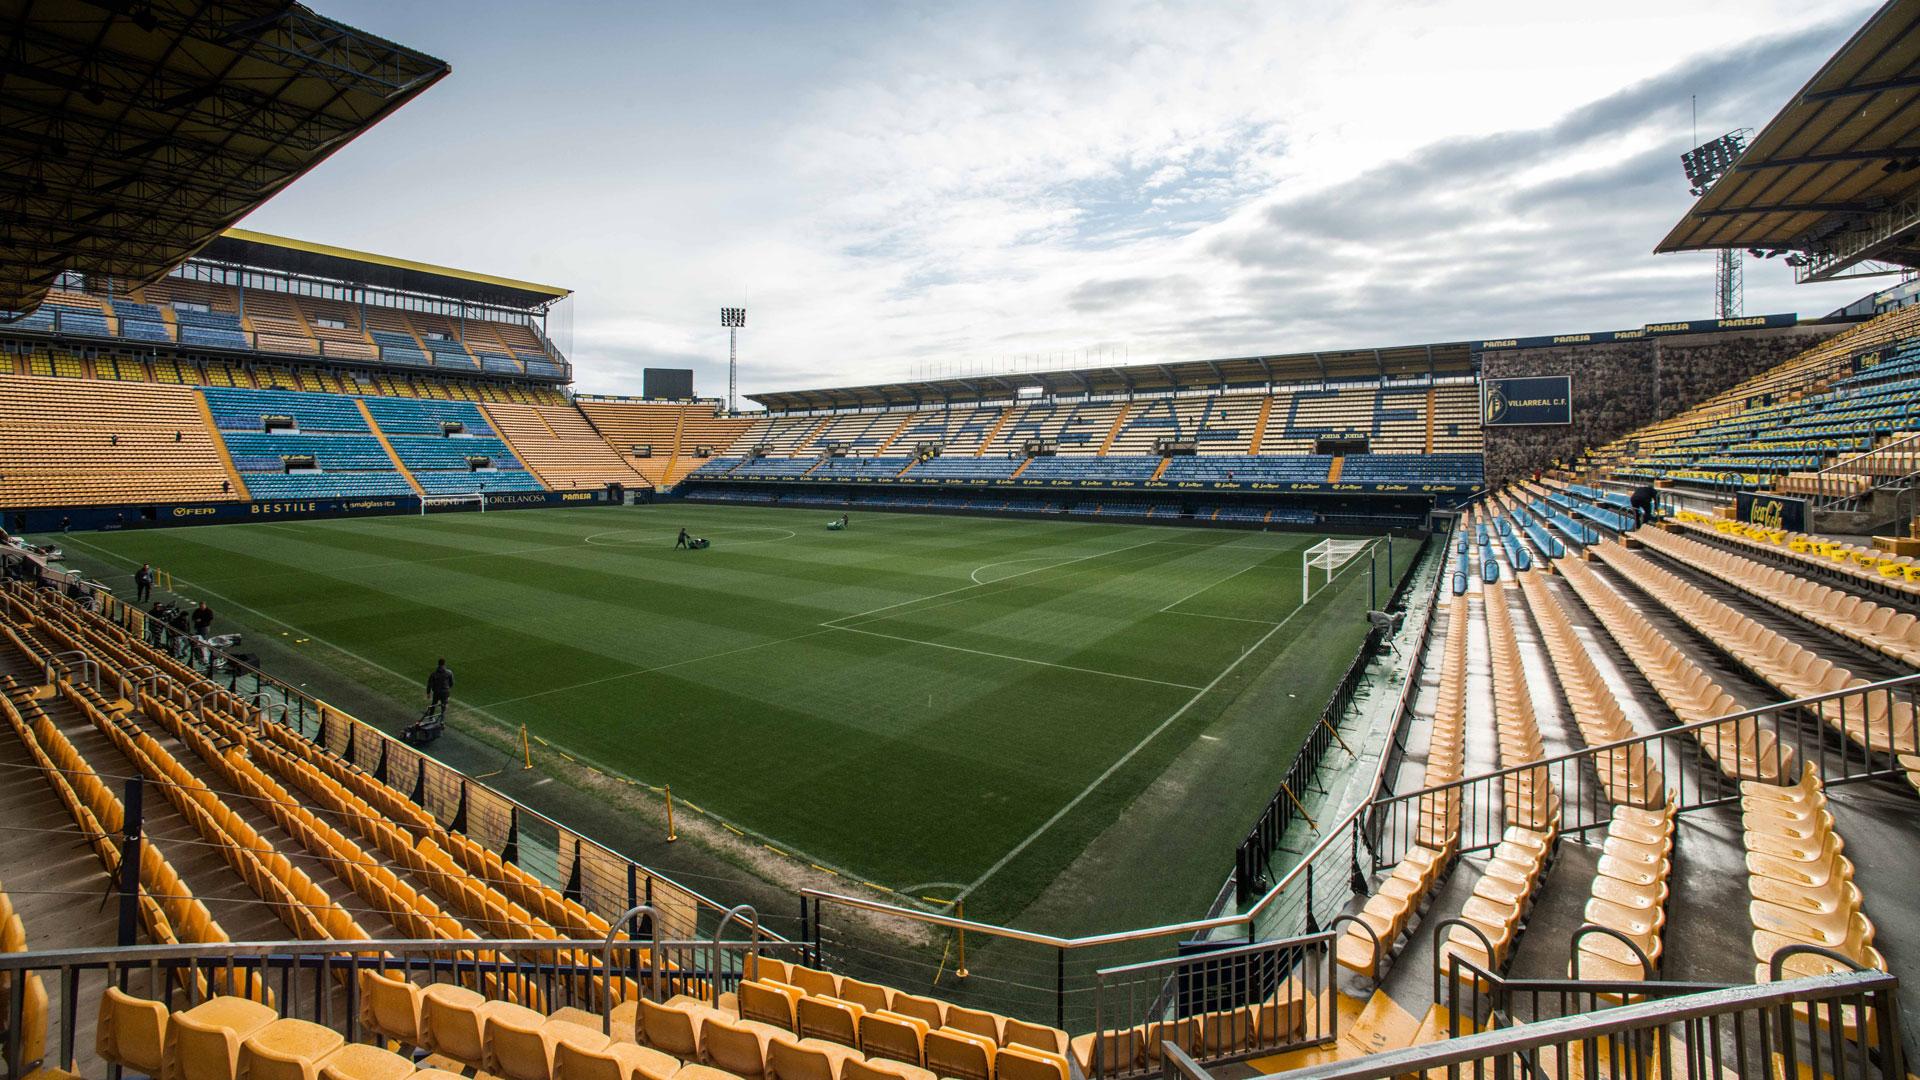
x=232, y=603
x=1010, y=656
x=1217, y=584
x=1209, y=615
x=963, y=588
x=661, y=667
x=1137, y=747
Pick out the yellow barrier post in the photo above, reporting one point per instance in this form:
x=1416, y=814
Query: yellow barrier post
x=671, y=835
x=526, y=747
x=960, y=967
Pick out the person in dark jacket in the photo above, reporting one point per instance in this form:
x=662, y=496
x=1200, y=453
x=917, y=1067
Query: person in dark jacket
x=1642, y=500
x=202, y=619
x=682, y=542
x=143, y=582
x=440, y=686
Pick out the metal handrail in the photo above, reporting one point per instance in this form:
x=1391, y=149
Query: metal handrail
x=653, y=956
x=1668, y=733
x=1501, y=1042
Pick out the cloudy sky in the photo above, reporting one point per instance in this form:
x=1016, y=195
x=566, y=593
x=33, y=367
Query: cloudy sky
x=897, y=189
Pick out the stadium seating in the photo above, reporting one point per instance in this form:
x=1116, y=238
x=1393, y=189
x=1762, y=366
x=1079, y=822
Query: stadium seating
x=78, y=442
x=437, y=441
x=560, y=447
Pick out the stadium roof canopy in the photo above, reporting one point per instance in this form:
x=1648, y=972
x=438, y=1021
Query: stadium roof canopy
x=241, y=247
x=133, y=131
x=1248, y=371
x=1836, y=175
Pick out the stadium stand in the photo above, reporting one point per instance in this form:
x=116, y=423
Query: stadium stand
x=72, y=443
x=448, y=448
x=560, y=447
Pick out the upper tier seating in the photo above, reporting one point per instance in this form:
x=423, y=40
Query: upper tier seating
x=72, y=442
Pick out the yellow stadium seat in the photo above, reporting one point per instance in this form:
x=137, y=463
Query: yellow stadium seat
x=615, y=1061
x=806, y=1059
x=203, y=1043
x=883, y=1070
x=893, y=1036
x=518, y=1046
x=829, y=1019
x=131, y=1032
x=1029, y=1063
x=287, y=1049
x=960, y=1055
x=738, y=1049
x=358, y=1061
x=869, y=996
x=453, y=1023
x=390, y=1006
x=671, y=1028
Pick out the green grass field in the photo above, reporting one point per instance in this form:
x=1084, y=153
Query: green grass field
x=941, y=705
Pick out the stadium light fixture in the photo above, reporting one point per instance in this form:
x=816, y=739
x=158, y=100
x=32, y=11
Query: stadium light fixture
x=733, y=318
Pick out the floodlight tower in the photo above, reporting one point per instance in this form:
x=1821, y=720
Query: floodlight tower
x=733, y=318
x=1705, y=165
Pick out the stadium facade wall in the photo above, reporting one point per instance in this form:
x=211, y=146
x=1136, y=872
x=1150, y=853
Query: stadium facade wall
x=1623, y=385
x=163, y=515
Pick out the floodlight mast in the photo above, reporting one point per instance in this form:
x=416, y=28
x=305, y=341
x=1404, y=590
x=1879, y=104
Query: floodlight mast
x=1704, y=165
x=733, y=318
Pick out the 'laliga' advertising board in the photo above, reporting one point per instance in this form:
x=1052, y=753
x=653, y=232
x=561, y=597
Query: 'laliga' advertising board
x=1537, y=400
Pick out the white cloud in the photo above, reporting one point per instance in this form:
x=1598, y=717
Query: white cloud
x=990, y=182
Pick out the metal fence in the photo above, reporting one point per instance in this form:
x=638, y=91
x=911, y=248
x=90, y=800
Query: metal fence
x=1219, y=1005
x=1827, y=731
x=1759, y=1032
x=1253, y=859
x=315, y=980
x=1850, y=483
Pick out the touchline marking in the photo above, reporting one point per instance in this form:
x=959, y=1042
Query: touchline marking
x=661, y=667
x=1009, y=656
x=978, y=584
x=1137, y=747
x=1205, y=588
x=1210, y=615
x=231, y=602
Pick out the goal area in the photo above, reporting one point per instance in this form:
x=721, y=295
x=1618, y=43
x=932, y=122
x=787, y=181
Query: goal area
x=1327, y=556
x=437, y=504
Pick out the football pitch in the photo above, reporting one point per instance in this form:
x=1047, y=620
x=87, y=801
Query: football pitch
x=942, y=706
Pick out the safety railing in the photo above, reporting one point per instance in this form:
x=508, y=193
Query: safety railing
x=1758, y=1032
x=601, y=879
x=1849, y=484
x=1253, y=859
x=316, y=980
x=1828, y=731
x=1221, y=1005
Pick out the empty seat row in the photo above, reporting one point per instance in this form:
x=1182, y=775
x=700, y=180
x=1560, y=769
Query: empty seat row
x=1743, y=749
x=1878, y=626
x=1629, y=897
x=1872, y=720
x=1628, y=776
x=1800, y=880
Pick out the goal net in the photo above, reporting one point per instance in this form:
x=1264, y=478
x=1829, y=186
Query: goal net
x=435, y=504
x=1327, y=557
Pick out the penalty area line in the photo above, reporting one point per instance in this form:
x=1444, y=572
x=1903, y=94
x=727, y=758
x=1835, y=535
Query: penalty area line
x=1048, y=824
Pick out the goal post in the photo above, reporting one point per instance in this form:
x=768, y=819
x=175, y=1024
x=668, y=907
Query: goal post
x=431, y=504
x=1327, y=556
